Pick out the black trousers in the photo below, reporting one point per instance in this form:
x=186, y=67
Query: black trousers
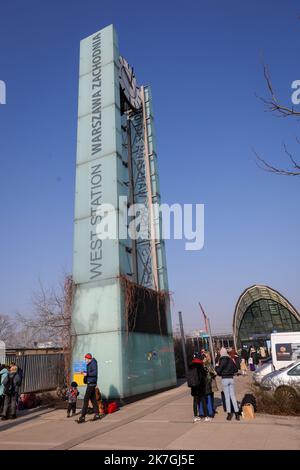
x=1, y=403
x=196, y=405
x=71, y=407
x=90, y=395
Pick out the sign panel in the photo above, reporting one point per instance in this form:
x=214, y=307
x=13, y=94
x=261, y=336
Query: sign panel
x=287, y=351
x=99, y=145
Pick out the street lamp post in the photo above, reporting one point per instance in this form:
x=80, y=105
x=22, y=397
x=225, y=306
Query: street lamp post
x=183, y=343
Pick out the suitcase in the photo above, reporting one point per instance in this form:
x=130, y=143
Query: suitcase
x=224, y=403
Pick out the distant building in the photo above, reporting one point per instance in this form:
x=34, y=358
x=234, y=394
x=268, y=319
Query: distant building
x=46, y=345
x=221, y=340
x=259, y=312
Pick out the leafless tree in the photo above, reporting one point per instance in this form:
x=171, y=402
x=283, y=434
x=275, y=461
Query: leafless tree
x=51, y=318
x=15, y=334
x=24, y=336
x=7, y=329
x=273, y=105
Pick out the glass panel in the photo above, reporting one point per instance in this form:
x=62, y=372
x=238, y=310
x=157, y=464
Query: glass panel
x=264, y=316
x=295, y=370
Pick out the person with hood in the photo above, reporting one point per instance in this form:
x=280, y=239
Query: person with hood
x=11, y=384
x=90, y=379
x=196, y=381
x=226, y=369
x=3, y=374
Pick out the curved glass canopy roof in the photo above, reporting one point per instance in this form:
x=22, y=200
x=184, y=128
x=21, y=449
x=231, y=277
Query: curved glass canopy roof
x=260, y=311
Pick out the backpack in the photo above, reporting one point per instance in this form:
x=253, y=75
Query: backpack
x=112, y=407
x=249, y=398
x=248, y=411
x=9, y=387
x=193, y=379
x=107, y=408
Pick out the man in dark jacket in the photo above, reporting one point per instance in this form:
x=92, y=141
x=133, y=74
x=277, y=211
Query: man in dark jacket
x=90, y=378
x=11, y=384
x=226, y=369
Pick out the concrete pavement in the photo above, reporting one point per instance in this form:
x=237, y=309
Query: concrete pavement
x=163, y=421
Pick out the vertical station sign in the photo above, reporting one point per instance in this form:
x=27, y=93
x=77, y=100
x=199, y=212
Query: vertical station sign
x=98, y=146
x=115, y=135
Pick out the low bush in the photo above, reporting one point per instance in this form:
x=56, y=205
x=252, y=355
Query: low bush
x=283, y=402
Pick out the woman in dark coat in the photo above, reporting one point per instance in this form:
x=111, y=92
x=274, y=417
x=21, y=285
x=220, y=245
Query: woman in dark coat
x=198, y=392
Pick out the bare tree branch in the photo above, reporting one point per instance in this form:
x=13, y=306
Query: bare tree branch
x=272, y=104
x=264, y=165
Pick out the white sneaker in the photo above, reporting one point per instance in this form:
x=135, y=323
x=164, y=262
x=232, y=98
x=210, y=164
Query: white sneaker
x=197, y=419
x=208, y=419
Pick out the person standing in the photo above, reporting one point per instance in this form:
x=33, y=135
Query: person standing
x=245, y=355
x=19, y=371
x=210, y=388
x=243, y=366
x=196, y=381
x=3, y=374
x=262, y=352
x=217, y=356
x=226, y=370
x=11, y=384
x=253, y=359
x=90, y=378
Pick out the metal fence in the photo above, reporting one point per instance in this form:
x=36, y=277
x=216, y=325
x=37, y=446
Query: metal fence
x=41, y=372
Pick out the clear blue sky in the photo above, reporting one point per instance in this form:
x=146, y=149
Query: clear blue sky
x=203, y=61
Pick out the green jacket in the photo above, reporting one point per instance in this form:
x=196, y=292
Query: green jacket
x=3, y=374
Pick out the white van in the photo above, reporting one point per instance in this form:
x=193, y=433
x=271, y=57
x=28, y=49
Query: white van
x=285, y=348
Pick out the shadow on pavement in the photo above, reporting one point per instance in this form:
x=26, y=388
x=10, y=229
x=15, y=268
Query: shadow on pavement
x=24, y=419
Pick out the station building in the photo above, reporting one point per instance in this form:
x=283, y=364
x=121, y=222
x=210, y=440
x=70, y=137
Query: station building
x=260, y=311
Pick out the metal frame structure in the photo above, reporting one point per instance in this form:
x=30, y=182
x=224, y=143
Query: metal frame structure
x=142, y=189
x=253, y=294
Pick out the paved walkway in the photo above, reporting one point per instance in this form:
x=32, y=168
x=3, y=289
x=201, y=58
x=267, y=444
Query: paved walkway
x=163, y=421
